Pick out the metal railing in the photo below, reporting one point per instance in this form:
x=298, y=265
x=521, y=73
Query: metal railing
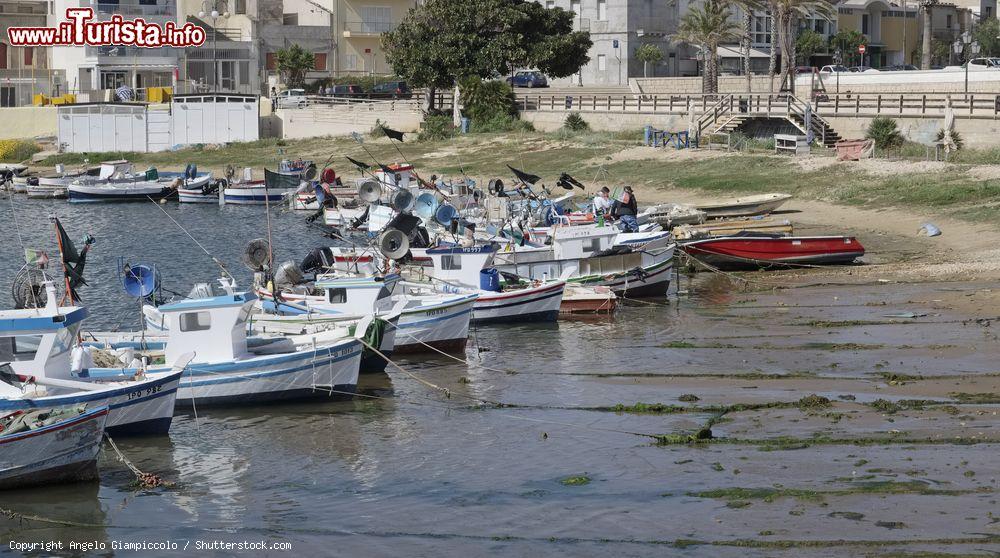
x=370, y=27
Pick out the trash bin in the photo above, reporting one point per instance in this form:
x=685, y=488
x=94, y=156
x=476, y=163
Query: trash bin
x=465, y=126
x=489, y=279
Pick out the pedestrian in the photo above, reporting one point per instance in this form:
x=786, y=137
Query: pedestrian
x=274, y=99
x=602, y=202
x=625, y=211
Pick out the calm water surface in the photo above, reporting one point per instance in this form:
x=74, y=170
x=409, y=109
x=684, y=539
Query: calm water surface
x=406, y=471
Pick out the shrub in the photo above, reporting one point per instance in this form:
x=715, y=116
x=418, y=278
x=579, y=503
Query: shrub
x=436, y=128
x=377, y=131
x=954, y=141
x=15, y=151
x=884, y=132
x=487, y=100
x=502, y=123
x=575, y=123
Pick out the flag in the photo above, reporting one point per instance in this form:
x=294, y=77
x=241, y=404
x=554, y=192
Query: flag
x=359, y=164
x=394, y=134
x=36, y=257
x=73, y=260
x=527, y=178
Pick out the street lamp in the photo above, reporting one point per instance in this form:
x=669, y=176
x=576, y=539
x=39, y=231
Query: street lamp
x=215, y=9
x=965, y=46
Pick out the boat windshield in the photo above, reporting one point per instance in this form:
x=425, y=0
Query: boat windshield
x=19, y=347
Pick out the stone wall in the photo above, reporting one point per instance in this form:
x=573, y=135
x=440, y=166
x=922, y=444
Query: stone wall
x=28, y=122
x=341, y=120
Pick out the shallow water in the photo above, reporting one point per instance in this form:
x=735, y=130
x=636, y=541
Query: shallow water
x=404, y=470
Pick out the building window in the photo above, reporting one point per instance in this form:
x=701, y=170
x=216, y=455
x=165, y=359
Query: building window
x=549, y=4
x=29, y=57
x=289, y=19
x=196, y=321
x=988, y=11
x=271, y=61
x=7, y=97
x=376, y=19
x=147, y=2
x=245, y=72
x=864, y=24
x=602, y=62
x=602, y=10
x=948, y=20
x=319, y=59
x=111, y=80
x=241, y=6
x=574, y=6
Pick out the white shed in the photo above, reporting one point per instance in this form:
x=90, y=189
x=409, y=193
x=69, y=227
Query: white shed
x=215, y=118
x=96, y=127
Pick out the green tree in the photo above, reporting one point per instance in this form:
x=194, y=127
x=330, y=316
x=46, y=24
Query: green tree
x=788, y=12
x=807, y=44
x=848, y=41
x=647, y=53
x=708, y=27
x=988, y=37
x=293, y=63
x=747, y=7
x=442, y=41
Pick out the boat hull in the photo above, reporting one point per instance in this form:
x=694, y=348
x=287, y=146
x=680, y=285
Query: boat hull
x=255, y=195
x=745, y=207
x=444, y=327
x=743, y=252
x=138, y=408
x=533, y=304
x=58, y=453
x=322, y=373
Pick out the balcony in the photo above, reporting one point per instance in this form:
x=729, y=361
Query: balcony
x=104, y=10
x=368, y=28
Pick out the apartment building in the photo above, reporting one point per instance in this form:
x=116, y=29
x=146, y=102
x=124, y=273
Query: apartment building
x=25, y=71
x=892, y=28
x=93, y=68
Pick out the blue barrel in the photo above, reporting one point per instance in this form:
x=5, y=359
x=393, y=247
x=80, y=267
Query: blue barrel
x=489, y=279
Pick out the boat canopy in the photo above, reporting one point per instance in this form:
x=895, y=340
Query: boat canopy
x=458, y=265
x=213, y=328
x=39, y=341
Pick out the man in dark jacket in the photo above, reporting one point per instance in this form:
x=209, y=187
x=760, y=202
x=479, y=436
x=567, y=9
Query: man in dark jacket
x=625, y=211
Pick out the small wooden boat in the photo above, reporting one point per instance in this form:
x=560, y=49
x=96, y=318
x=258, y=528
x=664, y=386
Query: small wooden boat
x=744, y=206
x=756, y=250
x=670, y=215
x=733, y=227
x=583, y=300
x=50, y=446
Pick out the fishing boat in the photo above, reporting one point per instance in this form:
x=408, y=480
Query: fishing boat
x=232, y=368
x=669, y=215
x=46, y=371
x=55, y=185
x=756, y=250
x=118, y=182
x=593, y=257
x=51, y=446
x=467, y=270
x=580, y=300
x=744, y=206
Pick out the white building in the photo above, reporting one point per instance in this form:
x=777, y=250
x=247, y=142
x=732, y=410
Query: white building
x=91, y=69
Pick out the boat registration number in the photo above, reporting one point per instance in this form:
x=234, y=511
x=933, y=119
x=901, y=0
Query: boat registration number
x=144, y=392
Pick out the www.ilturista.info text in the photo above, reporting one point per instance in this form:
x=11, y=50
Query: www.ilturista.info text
x=79, y=30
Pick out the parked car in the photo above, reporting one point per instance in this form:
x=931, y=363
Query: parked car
x=984, y=64
x=862, y=69
x=805, y=69
x=391, y=90
x=292, y=98
x=528, y=78
x=899, y=68
x=348, y=91
x=833, y=69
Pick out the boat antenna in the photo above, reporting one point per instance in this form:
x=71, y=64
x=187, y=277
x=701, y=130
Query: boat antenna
x=219, y=263
x=20, y=240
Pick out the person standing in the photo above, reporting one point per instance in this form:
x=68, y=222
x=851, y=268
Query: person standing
x=274, y=99
x=602, y=202
x=625, y=211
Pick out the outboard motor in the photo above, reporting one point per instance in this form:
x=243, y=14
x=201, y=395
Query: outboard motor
x=318, y=260
x=288, y=275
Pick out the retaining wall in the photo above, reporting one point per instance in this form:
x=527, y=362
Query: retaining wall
x=28, y=122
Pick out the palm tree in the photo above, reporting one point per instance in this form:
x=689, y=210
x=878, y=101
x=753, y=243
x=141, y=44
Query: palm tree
x=772, y=63
x=787, y=12
x=925, y=48
x=748, y=7
x=708, y=27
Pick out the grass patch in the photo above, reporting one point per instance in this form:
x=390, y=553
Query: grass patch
x=976, y=398
x=813, y=403
x=647, y=409
x=842, y=346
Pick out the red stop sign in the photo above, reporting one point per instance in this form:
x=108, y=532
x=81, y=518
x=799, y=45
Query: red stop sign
x=861, y=49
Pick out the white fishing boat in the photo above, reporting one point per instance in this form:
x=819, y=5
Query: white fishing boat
x=51, y=446
x=55, y=185
x=467, y=270
x=632, y=266
x=746, y=206
x=47, y=372
x=232, y=368
x=117, y=181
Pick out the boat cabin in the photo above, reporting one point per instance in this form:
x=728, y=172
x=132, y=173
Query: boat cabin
x=214, y=328
x=461, y=266
x=581, y=241
x=357, y=296
x=400, y=175
x=110, y=170
x=39, y=341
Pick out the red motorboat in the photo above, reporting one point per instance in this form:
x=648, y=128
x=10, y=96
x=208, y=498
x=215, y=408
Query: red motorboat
x=771, y=250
